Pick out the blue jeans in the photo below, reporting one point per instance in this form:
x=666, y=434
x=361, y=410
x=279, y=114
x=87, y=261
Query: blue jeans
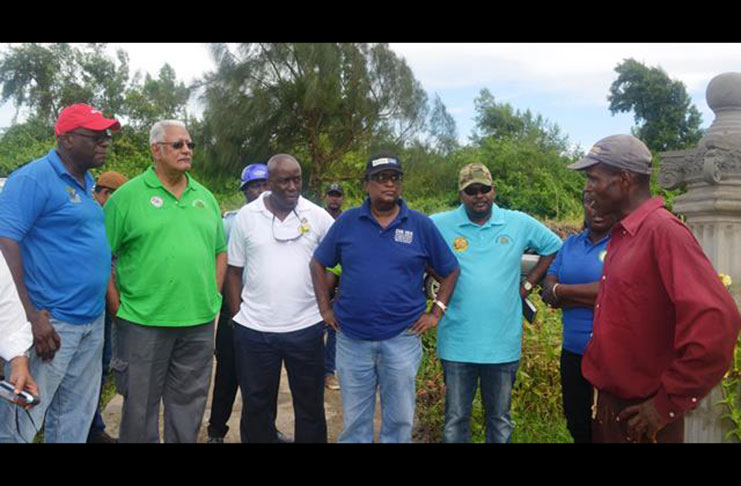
x=391, y=367
x=461, y=380
x=68, y=388
x=98, y=425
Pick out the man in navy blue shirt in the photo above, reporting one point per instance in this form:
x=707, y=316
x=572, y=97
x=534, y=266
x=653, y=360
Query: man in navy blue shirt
x=53, y=237
x=384, y=248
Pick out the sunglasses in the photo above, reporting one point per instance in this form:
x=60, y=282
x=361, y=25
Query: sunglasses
x=472, y=191
x=178, y=145
x=384, y=178
x=98, y=138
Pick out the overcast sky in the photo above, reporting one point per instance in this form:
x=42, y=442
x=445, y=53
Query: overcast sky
x=566, y=83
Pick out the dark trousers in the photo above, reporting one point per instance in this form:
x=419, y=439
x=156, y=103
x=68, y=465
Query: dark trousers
x=225, y=380
x=577, y=397
x=259, y=357
x=606, y=429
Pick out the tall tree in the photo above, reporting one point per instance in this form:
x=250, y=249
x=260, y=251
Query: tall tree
x=502, y=121
x=664, y=115
x=320, y=101
x=442, y=127
x=157, y=99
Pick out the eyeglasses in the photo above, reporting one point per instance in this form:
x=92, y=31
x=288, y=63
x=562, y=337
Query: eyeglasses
x=472, y=191
x=383, y=178
x=290, y=236
x=179, y=144
x=98, y=138
x=102, y=188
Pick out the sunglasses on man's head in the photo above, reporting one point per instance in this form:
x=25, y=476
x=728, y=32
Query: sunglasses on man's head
x=179, y=144
x=472, y=190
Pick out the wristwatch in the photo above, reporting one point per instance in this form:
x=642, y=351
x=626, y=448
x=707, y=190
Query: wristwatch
x=528, y=286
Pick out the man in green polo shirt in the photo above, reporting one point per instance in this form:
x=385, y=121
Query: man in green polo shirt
x=165, y=228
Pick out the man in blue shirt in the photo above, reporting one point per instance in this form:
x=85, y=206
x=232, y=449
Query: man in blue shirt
x=383, y=247
x=480, y=335
x=53, y=237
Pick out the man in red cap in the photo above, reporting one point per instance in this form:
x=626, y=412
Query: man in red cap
x=52, y=236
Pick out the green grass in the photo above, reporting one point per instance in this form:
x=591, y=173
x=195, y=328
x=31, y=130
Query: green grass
x=536, y=398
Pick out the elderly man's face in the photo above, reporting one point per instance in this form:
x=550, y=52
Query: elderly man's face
x=605, y=188
x=478, y=200
x=173, y=153
x=285, y=182
x=384, y=187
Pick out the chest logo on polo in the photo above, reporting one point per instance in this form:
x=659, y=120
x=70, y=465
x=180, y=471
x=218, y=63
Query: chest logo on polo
x=74, y=198
x=156, y=201
x=198, y=203
x=403, y=236
x=504, y=240
x=460, y=244
x=602, y=255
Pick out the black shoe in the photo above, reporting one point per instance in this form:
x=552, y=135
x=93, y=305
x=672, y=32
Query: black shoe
x=102, y=438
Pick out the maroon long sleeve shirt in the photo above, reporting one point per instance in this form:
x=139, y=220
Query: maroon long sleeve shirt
x=664, y=325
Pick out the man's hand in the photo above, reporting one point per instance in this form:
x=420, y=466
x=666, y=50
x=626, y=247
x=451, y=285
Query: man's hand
x=548, y=295
x=643, y=420
x=45, y=338
x=20, y=377
x=427, y=321
x=329, y=319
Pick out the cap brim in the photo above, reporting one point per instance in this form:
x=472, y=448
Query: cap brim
x=582, y=164
x=103, y=124
x=378, y=169
x=483, y=182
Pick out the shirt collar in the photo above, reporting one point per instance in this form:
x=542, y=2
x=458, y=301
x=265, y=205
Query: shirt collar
x=56, y=163
x=497, y=217
x=258, y=205
x=634, y=220
x=151, y=179
x=584, y=235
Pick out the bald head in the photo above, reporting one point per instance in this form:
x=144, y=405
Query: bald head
x=284, y=181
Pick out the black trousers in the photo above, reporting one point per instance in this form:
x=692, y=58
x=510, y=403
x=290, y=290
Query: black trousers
x=577, y=397
x=259, y=357
x=225, y=381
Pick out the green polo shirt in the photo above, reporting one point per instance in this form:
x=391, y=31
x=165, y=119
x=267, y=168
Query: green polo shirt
x=166, y=249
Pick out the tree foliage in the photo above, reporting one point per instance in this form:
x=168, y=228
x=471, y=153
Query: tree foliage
x=317, y=101
x=664, y=115
x=442, y=128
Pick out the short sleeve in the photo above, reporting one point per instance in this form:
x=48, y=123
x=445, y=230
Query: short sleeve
x=220, y=235
x=236, y=255
x=540, y=238
x=442, y=259
x=21, y=203
x=114, y=222
x=327, y=253
x=555, y=267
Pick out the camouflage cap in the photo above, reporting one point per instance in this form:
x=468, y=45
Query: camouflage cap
x=474, y=173
x=620, y=151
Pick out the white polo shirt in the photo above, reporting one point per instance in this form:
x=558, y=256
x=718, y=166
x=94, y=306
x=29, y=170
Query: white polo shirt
x=278, y=295
x=15, y=330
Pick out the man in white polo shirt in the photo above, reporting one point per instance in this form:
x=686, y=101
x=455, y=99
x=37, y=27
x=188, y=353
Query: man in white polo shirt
x=277, y=317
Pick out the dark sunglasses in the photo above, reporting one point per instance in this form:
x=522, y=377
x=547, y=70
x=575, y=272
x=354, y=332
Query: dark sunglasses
x=384, y=178
x=102, y=137
x=178, y=145
x=472, y=191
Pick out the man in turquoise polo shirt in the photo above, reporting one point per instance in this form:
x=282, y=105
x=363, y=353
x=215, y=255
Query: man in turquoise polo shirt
x=165, y=228
x=479, y=337
x=53, y=238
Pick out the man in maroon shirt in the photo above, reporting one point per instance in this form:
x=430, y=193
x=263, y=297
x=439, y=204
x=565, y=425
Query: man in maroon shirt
x=664, y=325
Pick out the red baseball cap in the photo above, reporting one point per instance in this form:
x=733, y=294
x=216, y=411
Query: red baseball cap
x=81, y=115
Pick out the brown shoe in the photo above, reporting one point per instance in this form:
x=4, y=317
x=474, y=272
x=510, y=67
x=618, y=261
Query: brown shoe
x=102, y=438
x=330, y=381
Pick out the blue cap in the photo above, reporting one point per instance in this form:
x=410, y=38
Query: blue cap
x=254, y=172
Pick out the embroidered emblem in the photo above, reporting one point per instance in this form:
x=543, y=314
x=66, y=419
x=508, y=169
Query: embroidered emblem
x=602, y=255
x=505, y=240
x=403, y=236
x=198, y=203
x=73, y=196
x=304, y=226
x=156, y=201
x=460, y=244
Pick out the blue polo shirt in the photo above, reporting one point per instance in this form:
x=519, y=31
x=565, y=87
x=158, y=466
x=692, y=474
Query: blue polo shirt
x=381, y=291
x=483, y=323
x=579, y=261
x=61, y=233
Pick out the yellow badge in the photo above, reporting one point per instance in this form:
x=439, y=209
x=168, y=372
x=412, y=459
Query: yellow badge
x=602, y=255
x=504, y=240
x=304, y=227
x=460, y=244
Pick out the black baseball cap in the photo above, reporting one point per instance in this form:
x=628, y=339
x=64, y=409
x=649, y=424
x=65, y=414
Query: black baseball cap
x=380, y=162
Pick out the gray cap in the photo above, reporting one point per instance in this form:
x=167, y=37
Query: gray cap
x=619, y=151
